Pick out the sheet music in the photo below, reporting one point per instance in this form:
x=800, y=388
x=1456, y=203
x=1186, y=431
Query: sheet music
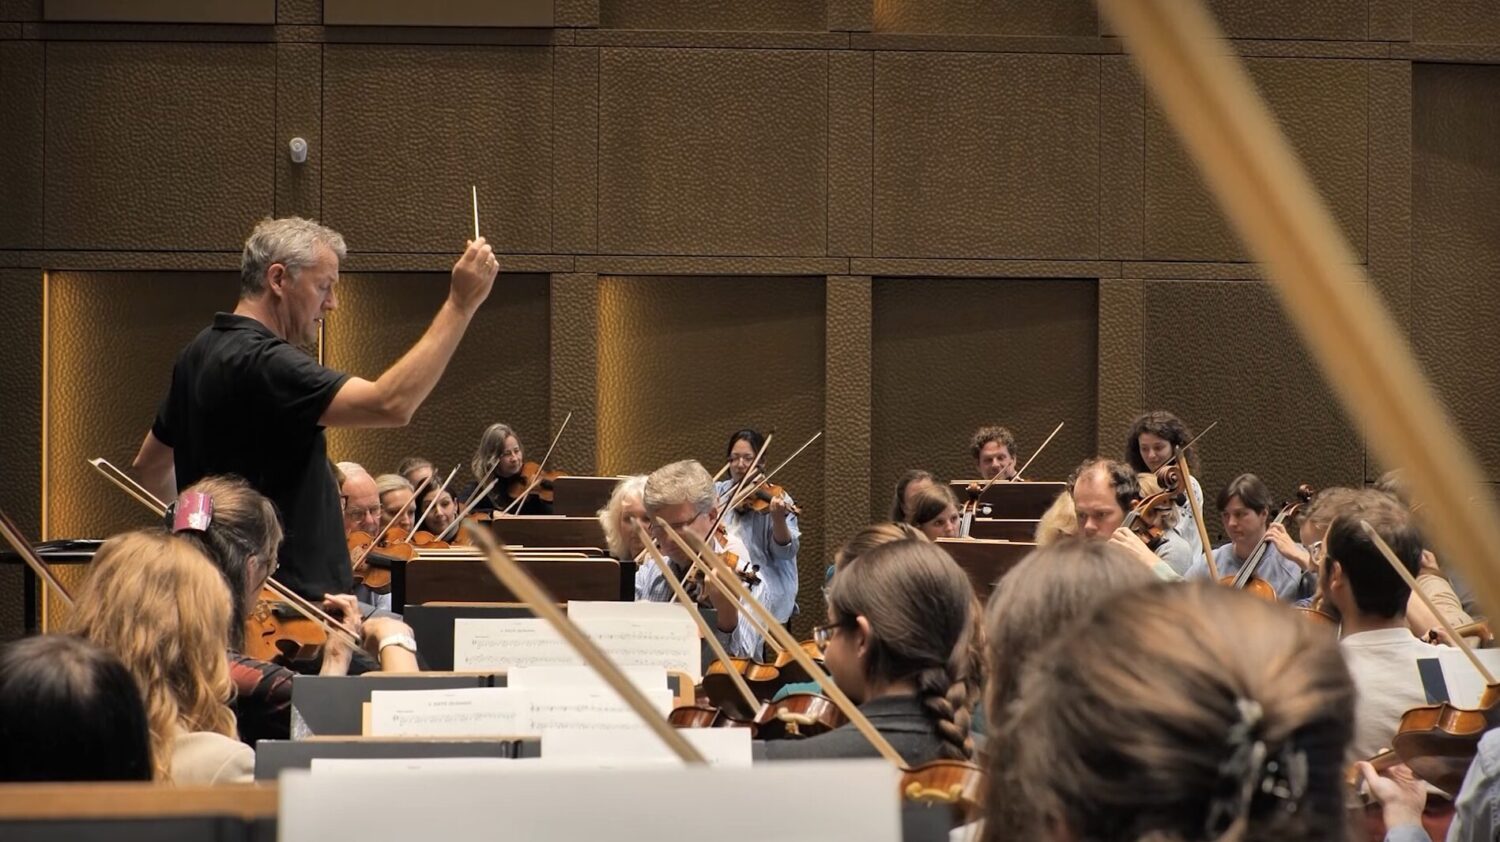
x=576, y=709
x=406, y=765
x=482, y=644
x=459, y=712
x=616, y=610
x=530, y=678
x=1465, y=684
x=722, y=747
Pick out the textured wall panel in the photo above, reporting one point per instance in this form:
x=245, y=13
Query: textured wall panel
x=158, y=145
x=1390, y=20
x=950, y=355
x=765, y=15
x=1456, y=21
x=1122, y=327
x=1232, y=357
x=987, y=17
x=846, y=472
x=951, y=134
x=499, y=372
x=684, y=362
x=850, y=16
x=410, y=128
x=850, y=150
x=713, y=152
x=21, y=432
x=299, y=113
x=113, y=339
x=575, y=167
x=575, y=369
x=1321, y=105
x=1456, y=189
x=1122, y=126
x=163, y=11
x=1390, y=245
x=21, y=72
x=1320, y=19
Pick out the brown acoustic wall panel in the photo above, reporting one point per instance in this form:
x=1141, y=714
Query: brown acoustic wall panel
x=112, y=339
x=1122, y=325
x=986, y=155
x=1230, y=356
x=951, y=355
x=1456, y=21
x=21, y=431
x=1320, y=19
x=847, y=410
x=407, y=130
x=773, y=15
x=158, y=146
x=499, y=372
x=713, y=151
x=1456, y=189
x=21, y=108
x=686, y=361
x=1321, y=105
x=163, y=11
x=987, y=17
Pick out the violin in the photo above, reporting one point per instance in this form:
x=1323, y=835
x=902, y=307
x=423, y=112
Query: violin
x=531, y=476
x=957, y=784
x=798, y=716
x=1438, y=742
x=1146, y=518
x=275, y=632
x=760, y=499
x=705, y=716
x=1245, y=579
x=392, y=546
x=1320, y=613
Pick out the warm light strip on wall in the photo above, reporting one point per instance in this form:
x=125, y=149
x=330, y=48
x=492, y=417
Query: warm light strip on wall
x=46, y=423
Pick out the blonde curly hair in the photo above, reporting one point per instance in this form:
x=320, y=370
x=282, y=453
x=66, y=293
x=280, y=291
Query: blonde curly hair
x=161, y=606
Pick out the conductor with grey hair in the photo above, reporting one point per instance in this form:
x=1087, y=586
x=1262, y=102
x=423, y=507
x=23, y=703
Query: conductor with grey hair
x=245, y=399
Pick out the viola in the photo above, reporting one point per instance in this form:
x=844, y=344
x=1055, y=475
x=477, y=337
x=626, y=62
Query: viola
x=275, y=632
x=798, y=716
x=1245, y=579
x=958, y=784
x=704, y=716
x=1147, y=518
x=1438, y=742
x=531, y=476
x=760, y=499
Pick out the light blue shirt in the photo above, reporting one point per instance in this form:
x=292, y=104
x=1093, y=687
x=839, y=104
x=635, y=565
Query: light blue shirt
x=777, y=562
x=1280, y=572
x=744, y=641
x=1187, y=528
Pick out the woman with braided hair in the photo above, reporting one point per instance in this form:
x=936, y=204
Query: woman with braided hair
x=897, y=641
x=1182, y=712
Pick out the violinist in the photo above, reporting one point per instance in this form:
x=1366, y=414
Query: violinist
x=1245, y=507
x=443, y=512
x=1403, y=799
x=771, y=537
x=156, y=603
x=361, y=499
x=1391, y=483
x=1103, y=492
x=1380, y=650
x=994, y=452
x=907, y=487
x=1152, y=442
x=395, y=501
x=240, y=534
x=682, y=495
x=415, y=470
x=246, y=400
x=501, y=458
x=1181, y=713
x=625, y=510
x=935, y=511
x=897, y=641
x=1030, y=607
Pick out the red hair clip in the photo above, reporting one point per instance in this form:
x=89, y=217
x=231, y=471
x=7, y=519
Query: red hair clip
x=194, y=512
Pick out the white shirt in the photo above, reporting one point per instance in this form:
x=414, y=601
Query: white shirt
x=1383, y=664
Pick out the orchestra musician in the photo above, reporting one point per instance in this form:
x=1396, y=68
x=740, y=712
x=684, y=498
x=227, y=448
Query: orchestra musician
x=1245, y=508
x=994, y=452
x=1103, y=492
x=415, y=469
x=771, y=537
x=907, y=487
x=69, y=711
x=161, y=607
x=442, y=513
x=900, y=622
x=360, y=498
x=934, y=510
x=1180, y=712
x=246, y=400
x=395, y=502
x=682, y=495
x=619, y=518
x=1153, y=440
x=500, y=457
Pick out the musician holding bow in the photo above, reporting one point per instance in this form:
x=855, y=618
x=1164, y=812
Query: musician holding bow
x=246, y=400
x=772, y=536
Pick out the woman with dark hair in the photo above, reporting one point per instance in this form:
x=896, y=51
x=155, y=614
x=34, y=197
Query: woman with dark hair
x=1245, y=507
x=1152, y=442
x=911, y=482
x=934, y=510
x=771, y=537
x=897, y=641
x=70, y=711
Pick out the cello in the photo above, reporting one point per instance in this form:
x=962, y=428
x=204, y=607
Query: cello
x=1245, y=579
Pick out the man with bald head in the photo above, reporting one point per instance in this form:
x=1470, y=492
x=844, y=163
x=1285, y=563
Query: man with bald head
x=1103, y=493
